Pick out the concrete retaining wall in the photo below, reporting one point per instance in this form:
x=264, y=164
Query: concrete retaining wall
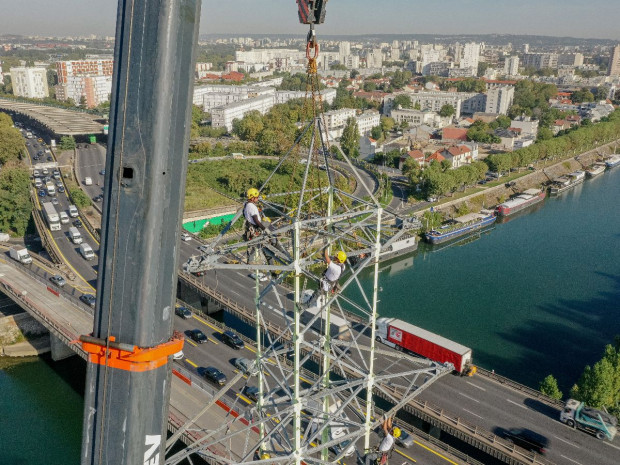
x=13, y=330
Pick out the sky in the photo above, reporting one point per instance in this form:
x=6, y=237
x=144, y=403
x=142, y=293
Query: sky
x=598, y=19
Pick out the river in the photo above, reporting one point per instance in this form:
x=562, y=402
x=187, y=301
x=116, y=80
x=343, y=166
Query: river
x=534, y=296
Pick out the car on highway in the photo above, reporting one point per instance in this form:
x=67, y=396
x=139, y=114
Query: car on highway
x=36, y=173
x=102, y=172
x=88, y=299
x=178, y=355
x=405, y=440
x=42, y=193
x=45, y=171
x=64, y=218
x=99, y=198
x=528, y=439
x=251, y=392
x=262, y=277
x=61, y=189
x=77, y=223
x=54, y=201
x=58, y=280
x=49, y=158
x=185, y=237
x=214, y=375
x=233, y=340
x=197, y=336
x=88, y=181
x=58, y=183
x=183, y=312
x=245, y=366
x=73, y=211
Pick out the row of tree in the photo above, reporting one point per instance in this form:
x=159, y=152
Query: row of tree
x=15, y=204
x=598, y=386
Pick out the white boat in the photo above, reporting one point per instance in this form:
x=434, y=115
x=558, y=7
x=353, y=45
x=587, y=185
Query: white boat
x=612, y=161
x=595, y=169
x=566, y=182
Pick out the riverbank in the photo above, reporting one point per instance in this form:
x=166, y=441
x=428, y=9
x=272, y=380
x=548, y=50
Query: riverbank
x=491, y=196
x=23, y=336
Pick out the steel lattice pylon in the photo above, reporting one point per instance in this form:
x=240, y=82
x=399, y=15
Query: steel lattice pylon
x=316, y=378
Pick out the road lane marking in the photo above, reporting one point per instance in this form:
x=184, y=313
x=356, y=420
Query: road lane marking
x=470, y=398
x=477, y=387
x=405, y=455
x=191, y=342
x=472, y=413
x=567, y=442
x=213, y=341
x=611, y=445
x=206, y=323
x=571, y=460
x=434, y=452
x=244, y=398
x=191, y=363
x=517, y=404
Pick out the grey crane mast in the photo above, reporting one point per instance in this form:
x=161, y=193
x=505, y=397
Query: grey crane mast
x=128, y=375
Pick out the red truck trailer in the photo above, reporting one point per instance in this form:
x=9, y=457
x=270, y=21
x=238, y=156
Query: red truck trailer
x=402, y=335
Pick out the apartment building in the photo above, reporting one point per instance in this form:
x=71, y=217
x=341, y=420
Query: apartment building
x=223, y=117
x=540, y=60
x=471, y=56
x=29, y=82
x=89, y=80
x=614, y=62
x=416, y=118
x=368, y=120
x=511, y=66
x=499, y=100
x=527, y=125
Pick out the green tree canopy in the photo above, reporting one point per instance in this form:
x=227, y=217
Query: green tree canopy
x=15, y=205
x=67, y=143
x=402, y=100
x=350, y=140
x=549, y=387
x=447, y=110
x=249, y=127
x=11, y=141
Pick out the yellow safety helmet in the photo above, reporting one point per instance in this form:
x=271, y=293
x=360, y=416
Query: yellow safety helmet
x=253, y=192
x=396, y=432
x=265, y=456
x=341, y=256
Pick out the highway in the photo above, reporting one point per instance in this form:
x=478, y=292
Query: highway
x=478, y=400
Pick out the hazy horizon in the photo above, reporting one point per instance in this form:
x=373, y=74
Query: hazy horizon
x=597, y=19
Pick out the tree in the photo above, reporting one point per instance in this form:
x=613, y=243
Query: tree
x=447, y=110
x=386, y=124
x=15, y=206
x=67, y=143
x=544, y=133
x=249, y=127
x=370, y=86
x=503, y=121
x=79, y=198
x=410, y=167
x=402, y=101
x=583, y=95
x=354, y=73
x=11, y=142
x=350, y=140
x=549, y=387
x=376, y=132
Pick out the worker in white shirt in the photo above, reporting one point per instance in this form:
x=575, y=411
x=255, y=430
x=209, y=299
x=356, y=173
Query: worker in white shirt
x=254, y=227
x=329, y=281
x=386, y=445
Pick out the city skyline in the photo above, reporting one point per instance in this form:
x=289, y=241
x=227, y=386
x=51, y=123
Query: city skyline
x=570, y=18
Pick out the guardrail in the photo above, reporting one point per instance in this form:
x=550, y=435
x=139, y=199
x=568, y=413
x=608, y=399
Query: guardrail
x=445, y=420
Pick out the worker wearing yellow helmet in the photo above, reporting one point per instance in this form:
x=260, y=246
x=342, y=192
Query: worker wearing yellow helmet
x=253, y=224
x=390, y=433
x=329, y=281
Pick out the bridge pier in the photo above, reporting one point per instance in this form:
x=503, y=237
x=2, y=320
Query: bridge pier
x=60, y=350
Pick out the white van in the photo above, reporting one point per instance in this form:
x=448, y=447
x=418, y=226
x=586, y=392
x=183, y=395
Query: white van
x=87, y=252
x=64, y=218
x=51, y=188
x=88, y=181
x=38, y=183
x=75, y=235
x=73, y=211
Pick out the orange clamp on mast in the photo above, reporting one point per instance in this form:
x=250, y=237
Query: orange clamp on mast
x=130, y=357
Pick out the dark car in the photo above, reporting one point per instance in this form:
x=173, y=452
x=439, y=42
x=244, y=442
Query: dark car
x=61, y=189
x=49, y=158
x=251, y=392
x=102, y=172
x=42, y=193
x=77, y=223
x=183, y=312
x=197, y=336
x=58, y=280
x=88, y=299
x=214, y=375
x=528, y=439
x=234, y=341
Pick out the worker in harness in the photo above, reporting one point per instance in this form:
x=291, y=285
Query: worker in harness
x=328, y=283
x=254, y=227
x=381, y=454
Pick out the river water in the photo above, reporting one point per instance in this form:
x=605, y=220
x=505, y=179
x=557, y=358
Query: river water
x=536, y=295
